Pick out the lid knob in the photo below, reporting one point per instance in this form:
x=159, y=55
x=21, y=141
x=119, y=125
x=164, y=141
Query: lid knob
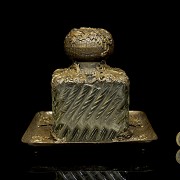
x=88, y=44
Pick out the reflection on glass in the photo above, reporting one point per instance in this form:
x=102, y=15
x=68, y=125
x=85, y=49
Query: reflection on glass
x=89, y=175
x=178, y=156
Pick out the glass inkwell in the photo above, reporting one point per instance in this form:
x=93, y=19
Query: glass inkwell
x=90, y=99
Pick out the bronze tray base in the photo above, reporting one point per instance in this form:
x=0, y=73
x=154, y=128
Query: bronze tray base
x=39, y=130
